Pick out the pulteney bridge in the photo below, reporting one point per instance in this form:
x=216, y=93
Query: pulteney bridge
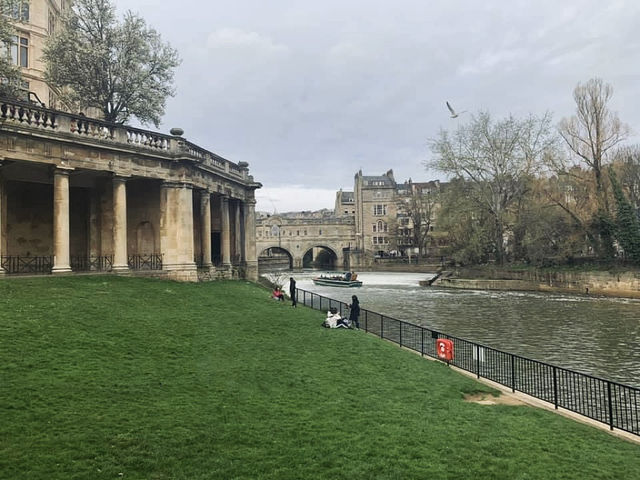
x=304, y=240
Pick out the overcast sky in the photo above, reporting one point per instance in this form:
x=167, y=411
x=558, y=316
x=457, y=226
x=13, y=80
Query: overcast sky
x=310, y=92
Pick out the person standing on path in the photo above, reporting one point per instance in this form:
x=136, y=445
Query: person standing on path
x=292, y=291
x=355, y=311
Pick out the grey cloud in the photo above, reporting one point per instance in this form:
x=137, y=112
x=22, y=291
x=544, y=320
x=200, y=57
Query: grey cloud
x=309, y=92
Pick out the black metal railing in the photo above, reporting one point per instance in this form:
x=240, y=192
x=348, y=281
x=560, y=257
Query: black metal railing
x=145, y=261
x=26, y=264
x=611, y=403
x=102, y=263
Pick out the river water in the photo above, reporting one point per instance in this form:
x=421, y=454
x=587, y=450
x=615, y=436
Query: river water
x=594, y=335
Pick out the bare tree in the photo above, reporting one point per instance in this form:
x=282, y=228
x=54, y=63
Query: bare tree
x=593, y=131
x=421, y=206
x=498, y=159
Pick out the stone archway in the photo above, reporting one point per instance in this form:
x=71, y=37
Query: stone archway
x=275, y=258
x=320, y=257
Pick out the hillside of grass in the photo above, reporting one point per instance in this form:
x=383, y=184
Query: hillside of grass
x=106, y=377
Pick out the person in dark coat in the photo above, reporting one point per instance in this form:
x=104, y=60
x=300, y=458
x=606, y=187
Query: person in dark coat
x=355, y=311
x=292, y=291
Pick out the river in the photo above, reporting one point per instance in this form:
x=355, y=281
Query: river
x=594, y=335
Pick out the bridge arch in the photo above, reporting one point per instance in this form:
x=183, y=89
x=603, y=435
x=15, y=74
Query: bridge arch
x=275, y=257
x=320, y=256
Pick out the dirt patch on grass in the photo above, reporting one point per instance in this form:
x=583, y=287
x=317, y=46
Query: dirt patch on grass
x=488, y=399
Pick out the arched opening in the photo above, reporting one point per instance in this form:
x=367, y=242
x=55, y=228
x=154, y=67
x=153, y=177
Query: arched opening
x=275, y=259
x=320, y=258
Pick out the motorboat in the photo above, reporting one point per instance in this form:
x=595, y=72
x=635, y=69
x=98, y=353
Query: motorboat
x=335, y=279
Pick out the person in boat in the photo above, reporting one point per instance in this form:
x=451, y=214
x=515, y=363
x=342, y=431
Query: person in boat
x=278, y=294
x=347, y=276
x=354, y=312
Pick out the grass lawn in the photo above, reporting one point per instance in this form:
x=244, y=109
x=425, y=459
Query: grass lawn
x=107, y=378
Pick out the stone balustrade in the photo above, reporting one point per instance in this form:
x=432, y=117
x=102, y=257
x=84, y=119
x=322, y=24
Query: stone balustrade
x=35, y=116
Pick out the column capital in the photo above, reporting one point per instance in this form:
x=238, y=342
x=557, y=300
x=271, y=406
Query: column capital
x=176, y=184
x=120, y=178
x=61, y=170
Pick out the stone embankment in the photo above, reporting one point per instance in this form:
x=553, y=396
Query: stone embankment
x=613, y=284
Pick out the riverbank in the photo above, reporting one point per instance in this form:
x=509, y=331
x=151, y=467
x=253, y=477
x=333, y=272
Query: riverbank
x=624, y=284
x=112, y=377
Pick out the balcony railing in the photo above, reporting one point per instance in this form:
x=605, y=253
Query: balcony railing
x=92, y=264
x=26, y=264
x=13, y=112
x=145, y=261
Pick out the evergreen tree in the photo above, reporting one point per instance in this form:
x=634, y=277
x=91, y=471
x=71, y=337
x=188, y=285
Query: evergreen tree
x=627, y=226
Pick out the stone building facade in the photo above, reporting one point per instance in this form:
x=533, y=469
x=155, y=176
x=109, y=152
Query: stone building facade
x=376, y=220
x=35, y=21
x=79, y=194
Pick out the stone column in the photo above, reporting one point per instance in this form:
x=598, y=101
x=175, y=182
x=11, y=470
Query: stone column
x=3, y=219
x=205, y=221
x=251, y=257
x=61, y=256
x=225, y=239
x=237, y=231
x=176, y=227
x=120, y=257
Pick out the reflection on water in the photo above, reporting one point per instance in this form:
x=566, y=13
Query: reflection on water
x=598, y=336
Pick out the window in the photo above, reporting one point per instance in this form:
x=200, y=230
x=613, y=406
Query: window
x=20, y=11
x=379, y=209
x=19, y=51
x=380, y=227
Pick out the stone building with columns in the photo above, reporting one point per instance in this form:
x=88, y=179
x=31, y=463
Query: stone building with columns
x=79, y=194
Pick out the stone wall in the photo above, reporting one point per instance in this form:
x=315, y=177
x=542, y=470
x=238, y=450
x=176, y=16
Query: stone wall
x=623, y=284
x=29, y=219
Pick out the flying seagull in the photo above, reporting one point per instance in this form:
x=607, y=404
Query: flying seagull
x=453, y=112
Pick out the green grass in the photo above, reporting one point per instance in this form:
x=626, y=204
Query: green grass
x=107, y=378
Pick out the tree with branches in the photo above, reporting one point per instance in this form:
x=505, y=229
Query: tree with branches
x=497, y=158
x=121, y=68
x=10, y=76
x=591, y=136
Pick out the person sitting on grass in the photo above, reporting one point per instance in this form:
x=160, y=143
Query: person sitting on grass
x=334, y=320
x=278, y=294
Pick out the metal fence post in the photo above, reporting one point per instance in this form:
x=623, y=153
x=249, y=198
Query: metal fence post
x=422, y=342
x=381, y=326
x=400, y=334
x=366, y=321
x=513, y=374
x=610, y=400
x=555, y=387
x=478, y=360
